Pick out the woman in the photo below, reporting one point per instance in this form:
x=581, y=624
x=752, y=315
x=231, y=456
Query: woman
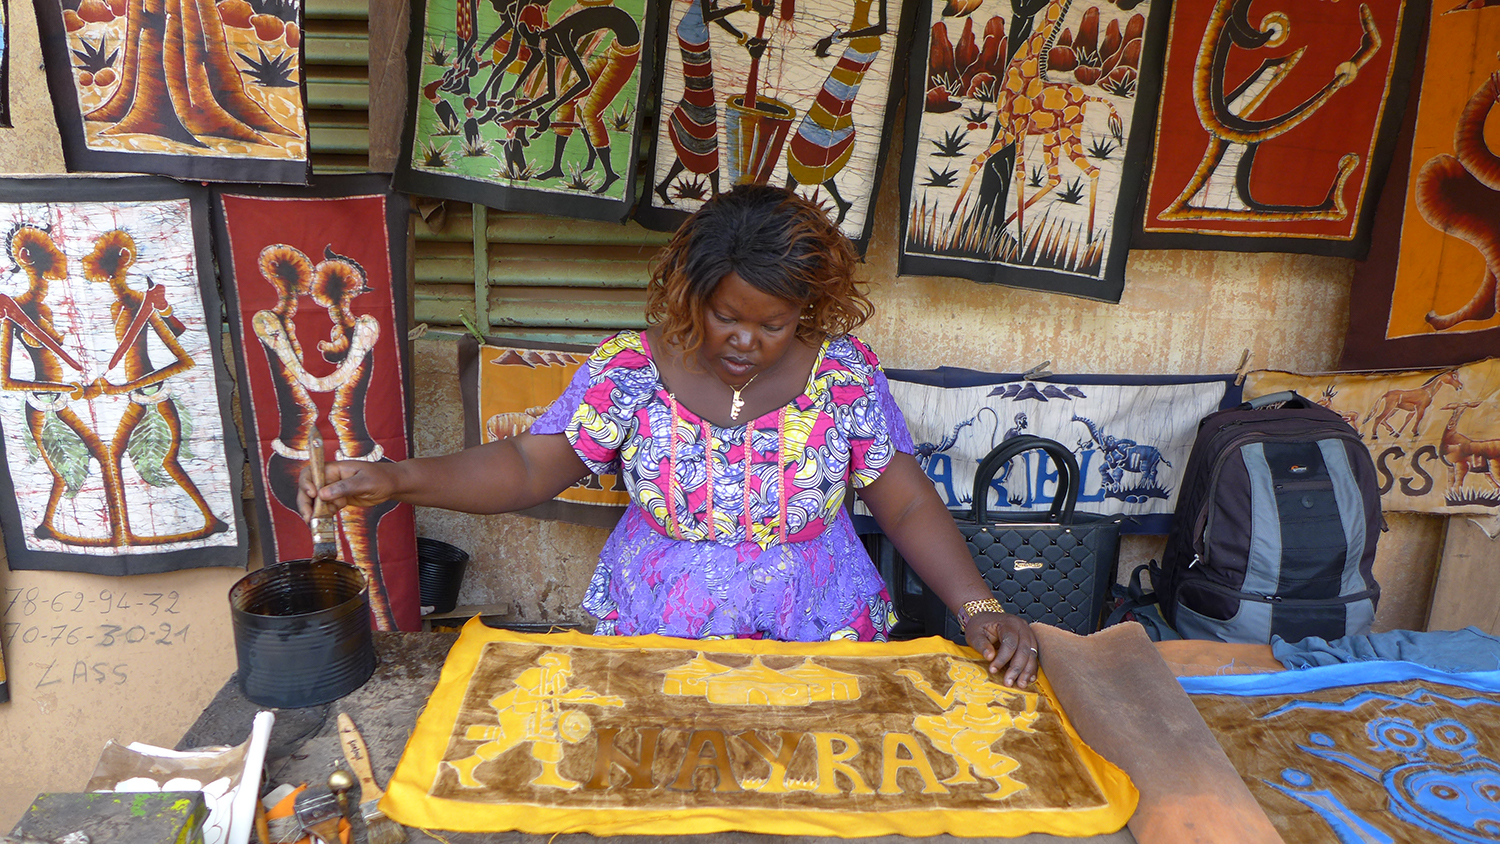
x=738, y=419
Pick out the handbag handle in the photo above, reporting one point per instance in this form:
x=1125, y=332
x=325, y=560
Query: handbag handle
x=1063, y=503
x=1291, y=397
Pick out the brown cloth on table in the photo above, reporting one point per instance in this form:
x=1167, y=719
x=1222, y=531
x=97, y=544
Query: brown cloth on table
x=1130, y=708
x=1195, y=657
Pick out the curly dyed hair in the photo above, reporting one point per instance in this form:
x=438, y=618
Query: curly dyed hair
x=779, y=243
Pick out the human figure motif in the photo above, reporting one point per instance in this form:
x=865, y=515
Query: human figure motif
x=532, y=713
x=147, y=385
x=48, y=392
x=333, y=283
x=578, y=93
x=694, y=124
x=969, y=727
x=825, y=137
x=336, y=281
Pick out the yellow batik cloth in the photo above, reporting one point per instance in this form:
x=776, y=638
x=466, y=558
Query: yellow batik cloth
x=648, y=734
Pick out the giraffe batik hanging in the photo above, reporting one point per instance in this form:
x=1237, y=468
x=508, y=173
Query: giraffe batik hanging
x=524, y=106
x=314, y=280
x=183, y=88
x=783, y=92
x=1026, y=132
x=117, y=455
x=1277, y=123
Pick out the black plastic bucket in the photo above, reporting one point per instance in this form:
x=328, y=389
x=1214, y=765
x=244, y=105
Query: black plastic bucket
x=302, y=632
x=440, y=573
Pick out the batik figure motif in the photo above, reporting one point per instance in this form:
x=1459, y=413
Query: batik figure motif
x=1434, y=434
x=1275, y=123
x=113, y=437
x=507, y=386
x=186, y=88
x=1431, y=298
x=610, y=735
x=1364, y=753
x=1131, y=440
x=785, y=93
x=1016, y=161
x=527, y=105
x=320, y=340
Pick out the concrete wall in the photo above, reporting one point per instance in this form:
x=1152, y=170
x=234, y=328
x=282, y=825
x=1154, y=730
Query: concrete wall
x=1182, y=312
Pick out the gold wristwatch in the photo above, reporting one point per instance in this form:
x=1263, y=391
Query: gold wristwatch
x=973, y=608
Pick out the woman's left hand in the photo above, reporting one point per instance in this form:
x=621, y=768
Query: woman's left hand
x=1007, y=643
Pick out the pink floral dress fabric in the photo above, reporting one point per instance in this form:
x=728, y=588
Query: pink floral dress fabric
x=737, y=531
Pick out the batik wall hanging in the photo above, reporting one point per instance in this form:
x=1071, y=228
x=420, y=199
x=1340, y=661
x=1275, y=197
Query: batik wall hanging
x=1131, y=435
x=1276, y=124
x=1434, y=434
x=525, y=107
x=1427, y=296
x=789, y=93
x=4, y=63
x=507, y=385
x=628, y=735
x=1363, y=752
x=315, y=279
x=1023, y=158
x=183, y=88
x=118, y=453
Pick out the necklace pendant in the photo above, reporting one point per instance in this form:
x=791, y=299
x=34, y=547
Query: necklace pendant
x=735, y=403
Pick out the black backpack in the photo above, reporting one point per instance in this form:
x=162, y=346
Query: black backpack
x=1275, y=527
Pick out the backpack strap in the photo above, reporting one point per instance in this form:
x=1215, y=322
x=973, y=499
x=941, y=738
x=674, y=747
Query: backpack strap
x=1134, y=596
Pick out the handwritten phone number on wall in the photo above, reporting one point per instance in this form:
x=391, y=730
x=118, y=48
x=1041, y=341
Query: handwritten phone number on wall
x=107, y=635
x=29, y=602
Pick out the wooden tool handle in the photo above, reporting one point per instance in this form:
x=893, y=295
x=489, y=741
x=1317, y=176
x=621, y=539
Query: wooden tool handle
x=358, y=757
x=315, y=460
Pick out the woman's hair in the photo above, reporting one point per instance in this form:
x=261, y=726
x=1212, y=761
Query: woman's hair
x=781, y=244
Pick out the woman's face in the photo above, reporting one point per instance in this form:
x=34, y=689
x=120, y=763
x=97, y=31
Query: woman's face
x=745, y=331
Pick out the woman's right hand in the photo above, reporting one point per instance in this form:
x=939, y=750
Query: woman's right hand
x=346, y=483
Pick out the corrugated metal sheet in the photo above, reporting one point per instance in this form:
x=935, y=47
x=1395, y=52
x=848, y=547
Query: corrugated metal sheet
x=336, y=48
x=547, y=278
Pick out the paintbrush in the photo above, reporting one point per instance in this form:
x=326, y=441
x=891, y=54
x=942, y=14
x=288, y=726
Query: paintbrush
x=379, y=829
x=325, y=536
x=318, y=812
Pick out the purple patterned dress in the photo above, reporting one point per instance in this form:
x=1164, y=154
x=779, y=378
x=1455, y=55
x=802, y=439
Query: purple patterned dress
x=734, y=531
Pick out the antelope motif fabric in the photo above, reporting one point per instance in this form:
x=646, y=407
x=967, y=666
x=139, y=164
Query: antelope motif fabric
x=1434, y=434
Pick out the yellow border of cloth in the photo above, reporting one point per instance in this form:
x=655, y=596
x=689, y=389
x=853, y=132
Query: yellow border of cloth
x=408, y=802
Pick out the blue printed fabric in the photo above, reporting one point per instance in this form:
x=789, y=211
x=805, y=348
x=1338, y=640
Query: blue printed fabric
x=1369, y=752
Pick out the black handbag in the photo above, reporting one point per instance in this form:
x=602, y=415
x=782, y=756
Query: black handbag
x=1054, y=567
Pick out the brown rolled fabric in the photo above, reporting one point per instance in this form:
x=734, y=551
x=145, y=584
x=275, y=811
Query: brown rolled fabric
x=1190, y=657
x=1125, y=703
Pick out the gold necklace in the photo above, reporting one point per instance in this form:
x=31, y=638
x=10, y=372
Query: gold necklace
x=736, y=403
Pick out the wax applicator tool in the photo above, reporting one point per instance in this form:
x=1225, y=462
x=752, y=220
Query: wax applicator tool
x=324, y=534
x=379, y=829
x=318, y=813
